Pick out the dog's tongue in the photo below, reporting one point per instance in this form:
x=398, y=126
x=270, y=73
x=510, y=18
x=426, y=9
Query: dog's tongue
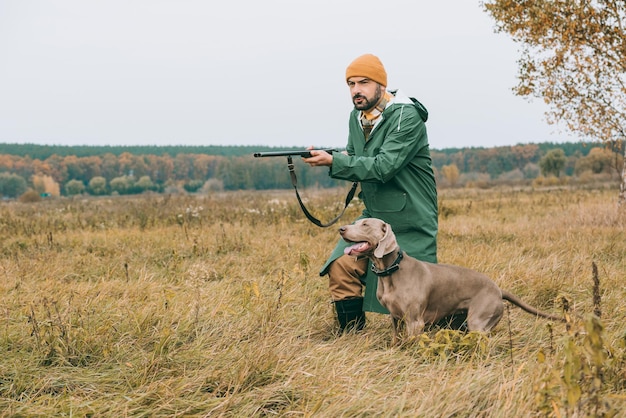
x=357, y=248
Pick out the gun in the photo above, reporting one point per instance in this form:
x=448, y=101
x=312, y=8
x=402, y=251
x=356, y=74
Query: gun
x=294, y=180
x=303, y=154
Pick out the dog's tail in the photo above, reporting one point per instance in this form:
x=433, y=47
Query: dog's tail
x=518, y=302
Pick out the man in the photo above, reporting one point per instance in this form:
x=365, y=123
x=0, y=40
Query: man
x=388, y=153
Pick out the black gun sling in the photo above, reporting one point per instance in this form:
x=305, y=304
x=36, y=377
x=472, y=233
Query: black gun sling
x=294, y=182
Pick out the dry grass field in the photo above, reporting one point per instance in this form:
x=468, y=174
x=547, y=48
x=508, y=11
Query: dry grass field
x=164, y=306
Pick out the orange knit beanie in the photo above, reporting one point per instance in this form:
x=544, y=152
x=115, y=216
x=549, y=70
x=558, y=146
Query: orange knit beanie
x=369, y=66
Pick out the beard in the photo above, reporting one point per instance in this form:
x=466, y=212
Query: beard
x=367, y=103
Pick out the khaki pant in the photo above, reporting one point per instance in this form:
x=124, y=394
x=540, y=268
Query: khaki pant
x=344, y=277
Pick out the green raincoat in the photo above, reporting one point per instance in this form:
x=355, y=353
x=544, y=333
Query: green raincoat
x=397, y=181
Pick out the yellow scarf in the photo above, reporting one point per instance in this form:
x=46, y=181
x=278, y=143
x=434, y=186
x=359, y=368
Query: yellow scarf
x=369, y=118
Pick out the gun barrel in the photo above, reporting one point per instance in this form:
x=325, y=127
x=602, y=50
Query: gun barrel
x=304, y=153
x=281, y=153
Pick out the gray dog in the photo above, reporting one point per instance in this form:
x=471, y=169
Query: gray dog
x=419, y=293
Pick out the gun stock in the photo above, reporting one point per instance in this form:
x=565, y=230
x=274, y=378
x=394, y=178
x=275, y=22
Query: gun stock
x=303, y=154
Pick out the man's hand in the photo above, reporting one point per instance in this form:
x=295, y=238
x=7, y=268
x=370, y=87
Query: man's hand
x=318, y=158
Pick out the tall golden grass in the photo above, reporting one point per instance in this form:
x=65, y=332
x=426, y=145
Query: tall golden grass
x=213, y=306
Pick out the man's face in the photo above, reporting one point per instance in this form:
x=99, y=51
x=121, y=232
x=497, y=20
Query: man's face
x=365, y=93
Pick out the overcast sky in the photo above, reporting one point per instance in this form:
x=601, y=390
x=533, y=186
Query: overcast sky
x=251, y=72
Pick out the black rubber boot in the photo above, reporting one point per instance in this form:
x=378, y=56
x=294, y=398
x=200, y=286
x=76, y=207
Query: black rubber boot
x=350, y=314
x=456, y=321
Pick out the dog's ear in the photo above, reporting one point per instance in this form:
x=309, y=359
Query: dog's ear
x=387, y=243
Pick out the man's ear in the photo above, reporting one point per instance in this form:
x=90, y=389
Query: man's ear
x=386, y=244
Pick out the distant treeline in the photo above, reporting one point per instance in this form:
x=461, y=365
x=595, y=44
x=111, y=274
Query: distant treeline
x=43, y=152
x=56, y=169
x=496, y=161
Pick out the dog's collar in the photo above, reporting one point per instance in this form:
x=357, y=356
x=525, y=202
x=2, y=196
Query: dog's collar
x=391, y=269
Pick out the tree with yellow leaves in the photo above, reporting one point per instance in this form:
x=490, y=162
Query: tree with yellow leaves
x=574, y=58
x=46, y=184
x=450, y=173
